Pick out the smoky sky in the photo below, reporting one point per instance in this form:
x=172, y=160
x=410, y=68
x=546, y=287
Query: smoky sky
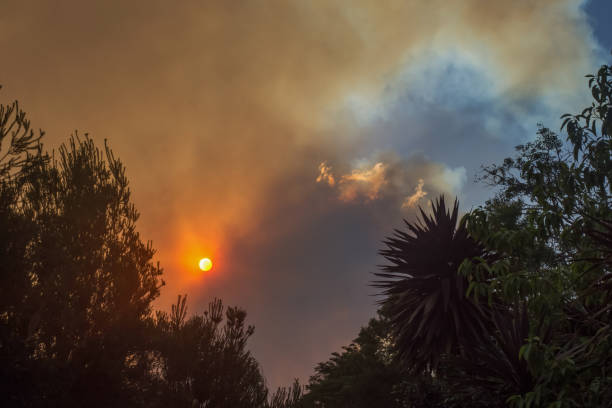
x=225, y=112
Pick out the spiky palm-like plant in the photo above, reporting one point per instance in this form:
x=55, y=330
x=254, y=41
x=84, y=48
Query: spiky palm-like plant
x=424, y=294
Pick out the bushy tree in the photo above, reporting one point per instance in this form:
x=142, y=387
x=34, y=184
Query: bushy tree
x=362, y=375
x=367, y=374
x=85, y=280
x=204, y=359
x=551, y=222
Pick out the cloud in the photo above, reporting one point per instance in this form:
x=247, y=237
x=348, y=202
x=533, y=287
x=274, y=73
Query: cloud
x=361, y=183
x=413, y=200
x=452, y=180
x=325, y=175
x=369, y=182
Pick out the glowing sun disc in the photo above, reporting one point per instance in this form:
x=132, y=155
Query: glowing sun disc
x=205, y=264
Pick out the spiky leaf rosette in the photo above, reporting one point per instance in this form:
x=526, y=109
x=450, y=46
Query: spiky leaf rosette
x=424, y=295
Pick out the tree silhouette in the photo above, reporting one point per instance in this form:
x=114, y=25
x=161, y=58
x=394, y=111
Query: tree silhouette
x=425, y=296
x=20, y=151
x=86, y=281
x=287, y=397
x=19, y=144
x=205, y=360
x=364, y=374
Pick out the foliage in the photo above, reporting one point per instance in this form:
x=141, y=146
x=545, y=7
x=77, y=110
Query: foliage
x=551, y=222
x=362, y=375
x=204, y=361
x=18, y=142
x=471, y=343
x=287, y=397
x=85, y=281
x=424, y=295
x=368, y=374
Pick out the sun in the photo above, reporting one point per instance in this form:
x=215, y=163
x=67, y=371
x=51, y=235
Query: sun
x=205, y=264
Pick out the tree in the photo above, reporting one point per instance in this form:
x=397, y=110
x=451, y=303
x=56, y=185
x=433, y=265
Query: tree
x=364, y=374
x=425, y=295
x=550, y=222
x=20, y=150
x=287, y=397
x=469, y=344
x=204, y=358
x=77, y=280
x=368, y=374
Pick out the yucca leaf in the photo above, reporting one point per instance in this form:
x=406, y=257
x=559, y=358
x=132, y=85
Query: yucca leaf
x=423, y=292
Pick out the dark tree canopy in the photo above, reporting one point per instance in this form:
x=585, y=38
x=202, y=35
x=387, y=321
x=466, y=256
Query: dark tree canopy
x=77, y=284
x=204, y=358
x=362, y=375
x=79, y=298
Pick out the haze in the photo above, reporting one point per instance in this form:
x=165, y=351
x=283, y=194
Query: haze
x=285, y=139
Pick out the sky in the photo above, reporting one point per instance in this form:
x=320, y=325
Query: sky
x=286, y=139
